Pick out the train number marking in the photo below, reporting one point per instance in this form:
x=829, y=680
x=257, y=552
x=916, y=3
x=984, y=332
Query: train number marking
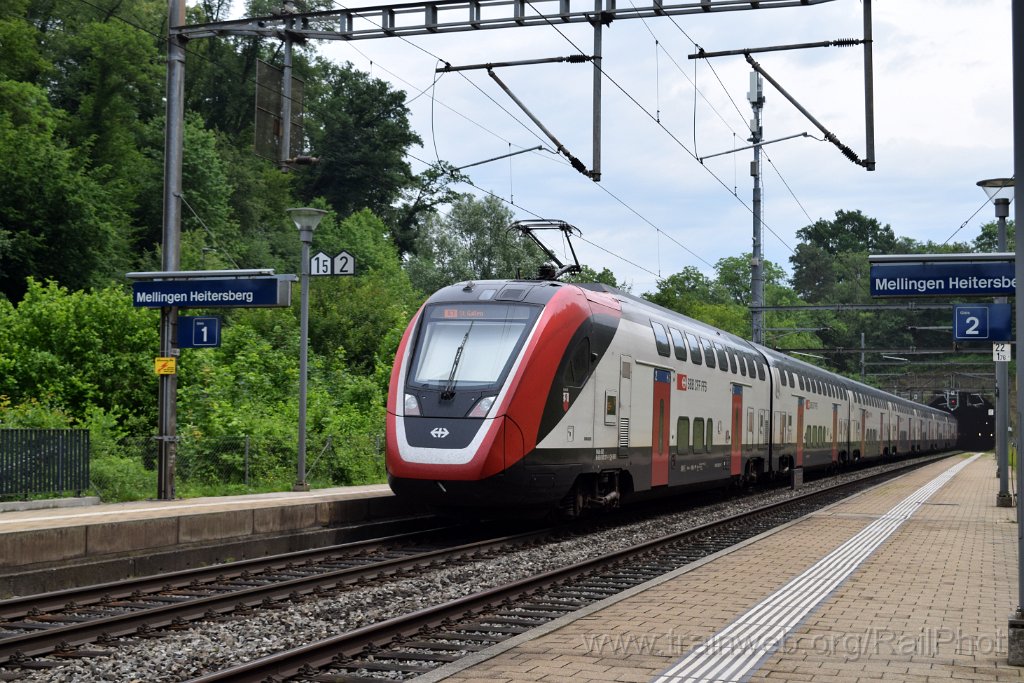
x=439, y=432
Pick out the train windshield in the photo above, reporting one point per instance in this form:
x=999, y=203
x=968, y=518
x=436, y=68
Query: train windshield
x=470, y=346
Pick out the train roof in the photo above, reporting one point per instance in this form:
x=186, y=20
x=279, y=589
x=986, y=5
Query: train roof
x=774, y=357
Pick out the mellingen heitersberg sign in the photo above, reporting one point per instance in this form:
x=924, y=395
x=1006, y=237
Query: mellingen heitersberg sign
x=943, y=279
x=241, y=292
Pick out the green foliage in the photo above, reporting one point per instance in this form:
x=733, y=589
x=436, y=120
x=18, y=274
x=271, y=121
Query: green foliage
x=53, y=212
x=360, y=132
x=471, y=243
x=988, y=240
x=686, y=291
x=605, y=277
x=79, y=350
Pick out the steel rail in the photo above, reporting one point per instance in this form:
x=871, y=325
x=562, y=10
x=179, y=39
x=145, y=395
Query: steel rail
x=61, y=638
x=303, y=660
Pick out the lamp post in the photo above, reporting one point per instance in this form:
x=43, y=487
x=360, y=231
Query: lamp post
x=306, y=220
x=1000, y=192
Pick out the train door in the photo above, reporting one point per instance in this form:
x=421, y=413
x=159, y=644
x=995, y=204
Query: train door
x=625, y=403
x=800, y=431
x=899, y=423
x=835, y=432
x=660, y=427
x=863, y=432
x=736, y=452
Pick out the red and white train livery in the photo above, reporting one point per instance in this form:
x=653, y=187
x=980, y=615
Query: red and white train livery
x=527, y=393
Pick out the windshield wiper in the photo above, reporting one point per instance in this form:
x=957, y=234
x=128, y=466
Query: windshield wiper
x=448, y=393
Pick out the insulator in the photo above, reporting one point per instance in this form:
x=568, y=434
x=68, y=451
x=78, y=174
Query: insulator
x=578, y=59
x=847, y=42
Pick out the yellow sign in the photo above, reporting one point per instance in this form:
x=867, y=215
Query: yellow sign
x=166, y=366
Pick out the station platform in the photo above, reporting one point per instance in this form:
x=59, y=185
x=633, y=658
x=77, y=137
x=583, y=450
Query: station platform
x=60, y=547
x=913, y=580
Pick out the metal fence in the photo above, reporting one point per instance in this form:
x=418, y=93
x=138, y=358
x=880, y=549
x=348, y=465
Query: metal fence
x=34, y=461
x=261, y=461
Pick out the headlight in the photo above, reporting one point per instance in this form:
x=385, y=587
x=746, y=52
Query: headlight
x=481, y=407
x=412, y=406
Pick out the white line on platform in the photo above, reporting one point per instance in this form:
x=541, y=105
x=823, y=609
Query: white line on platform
x=738, y=649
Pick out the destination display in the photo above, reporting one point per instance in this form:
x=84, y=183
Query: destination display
x=241, y=292
x=943, y=279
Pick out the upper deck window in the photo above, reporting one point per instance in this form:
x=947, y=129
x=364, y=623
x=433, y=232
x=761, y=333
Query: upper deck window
x=709, y=353
x=661, y=339
x=695, y=355
x=678, y=343
x=723, y=362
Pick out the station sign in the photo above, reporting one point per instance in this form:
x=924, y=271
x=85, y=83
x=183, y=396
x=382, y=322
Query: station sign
x=982, y=322
x=944, y=278
x=215, y=293
x=198, y=332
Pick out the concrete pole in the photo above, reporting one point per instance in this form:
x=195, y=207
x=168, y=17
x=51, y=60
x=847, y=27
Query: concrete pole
x=174, y=144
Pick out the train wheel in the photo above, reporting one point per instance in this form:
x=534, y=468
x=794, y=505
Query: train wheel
x=573, y=504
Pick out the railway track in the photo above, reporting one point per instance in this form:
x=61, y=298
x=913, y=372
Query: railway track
x=411, y=645
x=45, y=631
x=61, y=622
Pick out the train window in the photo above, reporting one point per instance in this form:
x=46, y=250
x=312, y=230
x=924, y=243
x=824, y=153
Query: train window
x=678, y=343
x=732, y=361
x=723, y=362
x=760, y=371
x=660, y=338
x=683, y=436
x=782, y=374
x=792, y=380
x=817, y=387
x=698, y=435
x=743, y=365
x=709, y=353
x=801, y=378
x=694, y=348
x=709, y=441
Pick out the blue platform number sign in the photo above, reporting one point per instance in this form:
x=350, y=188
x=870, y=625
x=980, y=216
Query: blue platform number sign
x=984, y=322
x=970, y=322
x=198, y=332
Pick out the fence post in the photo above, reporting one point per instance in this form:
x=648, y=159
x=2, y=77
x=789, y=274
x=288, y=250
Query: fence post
x=247, y=460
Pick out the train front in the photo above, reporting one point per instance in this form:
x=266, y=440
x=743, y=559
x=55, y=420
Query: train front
x=467, y=391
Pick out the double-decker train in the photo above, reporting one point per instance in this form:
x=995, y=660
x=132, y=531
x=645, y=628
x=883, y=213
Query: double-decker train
x=542, y=394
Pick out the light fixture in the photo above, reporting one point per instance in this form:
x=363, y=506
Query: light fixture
x=997, y=188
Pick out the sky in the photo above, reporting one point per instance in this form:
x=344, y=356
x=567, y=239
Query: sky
x=943, y=121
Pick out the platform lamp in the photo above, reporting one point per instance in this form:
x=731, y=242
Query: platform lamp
x=306, y=219
x=1000, y=193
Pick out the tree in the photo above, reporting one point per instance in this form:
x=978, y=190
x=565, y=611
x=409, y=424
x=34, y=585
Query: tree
x=56, y=220
x=73, y=351
x=816, y=274
x=471, y=243
x=360, y=132
x=988, y=240
x=734, y=277
x=683, y=291
x=588, y=274
x=358, y=321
